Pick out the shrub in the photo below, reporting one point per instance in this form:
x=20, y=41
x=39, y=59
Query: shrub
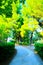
x=24, y=43
x=39, y=48
x=6, y=51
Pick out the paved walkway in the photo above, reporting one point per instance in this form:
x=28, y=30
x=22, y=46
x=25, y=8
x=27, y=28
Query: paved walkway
x=25, y=56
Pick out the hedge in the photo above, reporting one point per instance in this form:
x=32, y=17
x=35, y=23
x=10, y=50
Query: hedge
x=39, y=48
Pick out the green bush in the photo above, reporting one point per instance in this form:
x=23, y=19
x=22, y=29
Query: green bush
x=6, y=50
x=24, y=43
x=39, y=48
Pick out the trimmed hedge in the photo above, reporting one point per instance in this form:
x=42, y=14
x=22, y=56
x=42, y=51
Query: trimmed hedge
x=39, y=48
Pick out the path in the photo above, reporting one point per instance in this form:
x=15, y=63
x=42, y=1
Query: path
x=25, y=56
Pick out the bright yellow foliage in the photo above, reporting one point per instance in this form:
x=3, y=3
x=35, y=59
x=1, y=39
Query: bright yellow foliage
x=33, y=8
x=41, y=33
x=30, y=24
x=22, y=33
x=15, y=16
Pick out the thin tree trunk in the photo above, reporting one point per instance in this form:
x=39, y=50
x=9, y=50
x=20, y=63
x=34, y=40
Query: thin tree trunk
x=31, y=41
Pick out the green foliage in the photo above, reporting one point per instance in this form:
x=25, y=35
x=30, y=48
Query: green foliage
x=39, y=48
x=6, y=8
x=36, y=36
x=20, y=16
x=5, y=28
x=25, y=39
x=6, y=51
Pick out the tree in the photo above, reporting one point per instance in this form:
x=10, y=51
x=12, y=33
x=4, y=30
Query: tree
x=23, y=15
x=30, y=24
x=5, y=29
x=32, y=10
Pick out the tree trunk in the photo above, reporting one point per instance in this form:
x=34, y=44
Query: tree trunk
x=31, y=41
